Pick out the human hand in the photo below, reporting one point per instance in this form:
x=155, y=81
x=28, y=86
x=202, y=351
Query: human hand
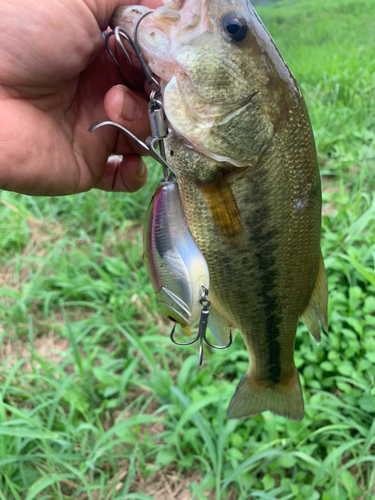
x=56, y=79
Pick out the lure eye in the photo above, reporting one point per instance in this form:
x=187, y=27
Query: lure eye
x=234, y=27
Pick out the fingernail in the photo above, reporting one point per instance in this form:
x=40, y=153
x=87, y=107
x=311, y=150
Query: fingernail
x=130, y=108
x=141, y=169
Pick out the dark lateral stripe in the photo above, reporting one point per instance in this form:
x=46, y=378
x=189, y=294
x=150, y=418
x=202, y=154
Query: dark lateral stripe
x=264, y=242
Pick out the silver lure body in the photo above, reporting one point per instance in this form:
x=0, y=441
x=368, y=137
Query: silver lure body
x=176, y=266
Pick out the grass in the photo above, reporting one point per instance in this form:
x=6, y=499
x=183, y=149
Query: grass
x=97, y=404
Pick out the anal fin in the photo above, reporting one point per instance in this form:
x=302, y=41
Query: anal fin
x=218, y=325
x=316, y=311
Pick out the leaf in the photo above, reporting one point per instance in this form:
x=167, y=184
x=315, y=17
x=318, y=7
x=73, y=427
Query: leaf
x=367, y=403
x=337, y=453
x=268, y=482
x=348, y=480
x=197, y=490
x=10, y=430
x=370, y=356
x=327, y=366
x=44, y=483
x=195, y=408
x=165, y=456
x=345, y=368
x=247, y=464
x=369, y=306
x=286, y=461
x=208, y=482
x=355, y=324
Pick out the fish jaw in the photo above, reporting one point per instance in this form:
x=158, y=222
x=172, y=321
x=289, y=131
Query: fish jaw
x=153, y=37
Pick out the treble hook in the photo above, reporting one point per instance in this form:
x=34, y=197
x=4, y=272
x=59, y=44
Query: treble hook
x=155, y=109
x=150, y=79
x=147, y=148
x=119, y=33
x=205, y=303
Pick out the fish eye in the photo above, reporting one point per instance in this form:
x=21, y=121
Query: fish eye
x=234, y=27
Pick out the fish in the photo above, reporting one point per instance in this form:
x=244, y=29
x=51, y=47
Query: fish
x=242, y=145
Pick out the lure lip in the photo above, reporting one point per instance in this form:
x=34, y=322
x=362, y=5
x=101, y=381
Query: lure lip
x=177, y=310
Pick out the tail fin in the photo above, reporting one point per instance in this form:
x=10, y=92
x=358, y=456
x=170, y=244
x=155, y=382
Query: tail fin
x=252, y=397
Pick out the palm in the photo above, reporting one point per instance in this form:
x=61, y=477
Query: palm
x=50, y=94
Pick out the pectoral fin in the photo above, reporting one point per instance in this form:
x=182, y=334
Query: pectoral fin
x=223, y=207
x=316, y=310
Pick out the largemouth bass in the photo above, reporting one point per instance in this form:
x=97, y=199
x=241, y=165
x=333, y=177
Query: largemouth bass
x=242, y=145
